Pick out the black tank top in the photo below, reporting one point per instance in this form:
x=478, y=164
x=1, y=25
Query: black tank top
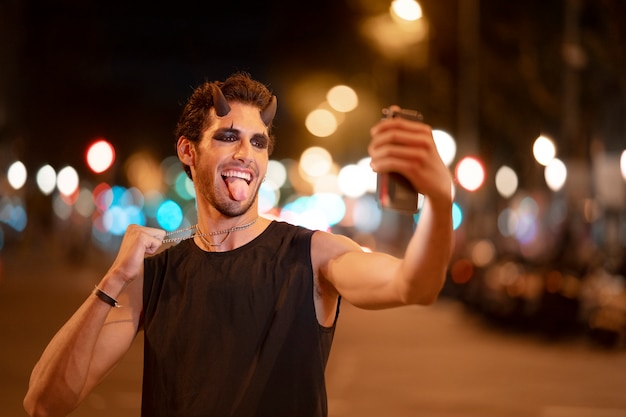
x=234, y=333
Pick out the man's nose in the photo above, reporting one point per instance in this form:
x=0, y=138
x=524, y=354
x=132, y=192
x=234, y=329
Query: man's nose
x=244, y=151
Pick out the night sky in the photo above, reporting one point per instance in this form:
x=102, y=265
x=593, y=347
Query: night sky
x=122, y=70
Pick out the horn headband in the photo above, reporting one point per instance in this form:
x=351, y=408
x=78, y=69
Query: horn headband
x=222, y=108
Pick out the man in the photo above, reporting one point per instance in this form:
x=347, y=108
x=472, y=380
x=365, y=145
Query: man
x=238, y=320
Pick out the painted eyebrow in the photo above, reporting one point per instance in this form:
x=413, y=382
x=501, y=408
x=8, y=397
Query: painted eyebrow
x=227, y=130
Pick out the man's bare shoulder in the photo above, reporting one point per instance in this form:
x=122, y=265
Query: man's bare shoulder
x=326, y=246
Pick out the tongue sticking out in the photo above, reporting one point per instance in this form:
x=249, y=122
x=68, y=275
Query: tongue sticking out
x=238, y=188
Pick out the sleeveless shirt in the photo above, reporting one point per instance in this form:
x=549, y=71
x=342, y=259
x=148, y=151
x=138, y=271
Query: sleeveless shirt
x=234, y=333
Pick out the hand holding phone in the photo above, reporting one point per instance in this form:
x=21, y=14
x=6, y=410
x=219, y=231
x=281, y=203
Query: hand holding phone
x=394, y=191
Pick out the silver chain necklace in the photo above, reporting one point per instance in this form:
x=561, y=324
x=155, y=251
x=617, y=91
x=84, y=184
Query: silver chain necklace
x=169, y=239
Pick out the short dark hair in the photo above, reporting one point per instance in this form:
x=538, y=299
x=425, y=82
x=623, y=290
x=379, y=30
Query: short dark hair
x=239, y=87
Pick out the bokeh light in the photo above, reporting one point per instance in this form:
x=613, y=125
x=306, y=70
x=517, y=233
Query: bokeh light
x=321, y=123
x=67, y=181
x=446, y=146
x=483, y=253
x=316, y=161
x=470, y=173
x=307, y=212
x=367, y=214
x=169, y=215
x=342, y=98
x=331, y=205
x=457, y=216
x=406, y=9
x=276, y=173
x=116, y=208
x=16, y=175
x=327, y=183
x=520, y=220
x=353, y=180
x=102, y=198
x=184, y=186
x=61, y=208
x=144, y=172
x=269, y=195
x=115, y=221
x=46, y=179
x=544, y=150
x=555, y=174
x=462, y=271
x=100, y=156
x=506, y=222
x=84, y=203
x=13, y=214
x=368, y=172
x=506, y=181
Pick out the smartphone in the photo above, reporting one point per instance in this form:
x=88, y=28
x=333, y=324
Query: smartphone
x=394, y=191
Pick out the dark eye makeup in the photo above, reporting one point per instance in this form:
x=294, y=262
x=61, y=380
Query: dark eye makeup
x=232, y=135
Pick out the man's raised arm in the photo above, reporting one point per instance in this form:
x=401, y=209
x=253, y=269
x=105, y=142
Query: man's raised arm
x=376, y=280
x=97, y=335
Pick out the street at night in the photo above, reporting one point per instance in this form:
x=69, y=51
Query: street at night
x=437, y=361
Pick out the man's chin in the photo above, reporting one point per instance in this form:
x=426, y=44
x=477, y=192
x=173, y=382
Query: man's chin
x=234, y=208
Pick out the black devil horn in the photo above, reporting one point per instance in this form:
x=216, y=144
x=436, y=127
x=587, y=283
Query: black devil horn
x=219, y=102
x=268, y=113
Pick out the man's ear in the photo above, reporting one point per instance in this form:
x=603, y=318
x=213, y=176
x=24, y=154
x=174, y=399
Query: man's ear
x=186, y=151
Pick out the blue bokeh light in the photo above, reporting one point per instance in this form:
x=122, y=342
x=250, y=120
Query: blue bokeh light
x=169, y=215
x=457, y=216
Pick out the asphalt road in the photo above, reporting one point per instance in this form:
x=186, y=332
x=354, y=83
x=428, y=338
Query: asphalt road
x=437, y=361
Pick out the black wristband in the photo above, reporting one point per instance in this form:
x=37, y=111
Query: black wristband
x=107, y=298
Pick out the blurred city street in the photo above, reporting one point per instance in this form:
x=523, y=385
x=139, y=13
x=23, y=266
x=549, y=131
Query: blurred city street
x=439, y=361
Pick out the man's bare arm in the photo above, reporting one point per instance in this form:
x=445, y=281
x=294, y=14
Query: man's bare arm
x=376, y=280
x=95, y=338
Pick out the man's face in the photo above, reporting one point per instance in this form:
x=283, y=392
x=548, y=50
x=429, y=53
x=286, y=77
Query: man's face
x=231, y=160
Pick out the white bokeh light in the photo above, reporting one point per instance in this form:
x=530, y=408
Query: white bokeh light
x=67, y=181
x=406, y=9
x=446, y=146
x=368, y=172
x=16, y=175
x=352, y=181
x=321, y=123
x=342, y=98
x=470, y=173
x=544, y=150
x=46, y=179
x=555, y=174
x=100, y=156
x=276, y=172
x=327, y=183
x=506, y=181
x=316, y=161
